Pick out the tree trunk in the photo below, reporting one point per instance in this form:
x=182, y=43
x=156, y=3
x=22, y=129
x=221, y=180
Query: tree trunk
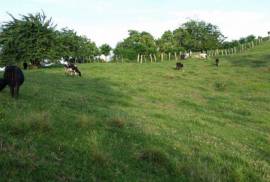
x=138, y=58
x=169, y=56
x=151, y=58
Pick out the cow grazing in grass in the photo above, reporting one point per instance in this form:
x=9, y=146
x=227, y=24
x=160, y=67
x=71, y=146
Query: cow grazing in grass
x=14, y=78
x=184, y=56
x=203, y=56
x=25, y=66
x=179, y=66
x=71, y=69
x=217, y=62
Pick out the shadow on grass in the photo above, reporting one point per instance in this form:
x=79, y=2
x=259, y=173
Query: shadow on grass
x=250, y=61
x=70, y=128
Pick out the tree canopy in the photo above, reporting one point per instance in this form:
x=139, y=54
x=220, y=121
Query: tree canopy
x=167, y=43
x=30, y=38
x=136, y=43
x=105, y=49
x=34, y=38
x=236, y=43
x=70, y=45
x=192, y=35
x=198, y=35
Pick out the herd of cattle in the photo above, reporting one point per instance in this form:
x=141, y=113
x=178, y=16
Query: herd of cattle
x=14, y=77
x=204, y=56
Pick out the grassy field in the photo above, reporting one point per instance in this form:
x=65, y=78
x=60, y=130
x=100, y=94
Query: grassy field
x=149, y=122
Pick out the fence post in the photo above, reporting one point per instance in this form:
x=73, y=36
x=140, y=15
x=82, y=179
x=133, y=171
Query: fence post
x=151, y=58
x=144, y=57
x=138, y=58
x=155, y=58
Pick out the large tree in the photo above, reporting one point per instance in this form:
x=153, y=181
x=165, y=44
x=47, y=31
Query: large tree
x=33, y=38
x=198, y=35
x=30, y=38
x=105, y=49
x=169, y=43
x=136, y=43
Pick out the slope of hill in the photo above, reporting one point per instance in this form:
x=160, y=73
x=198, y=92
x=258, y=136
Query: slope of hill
x=149, y=122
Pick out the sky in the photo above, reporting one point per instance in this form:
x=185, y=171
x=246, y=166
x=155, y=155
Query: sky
x=108, y=21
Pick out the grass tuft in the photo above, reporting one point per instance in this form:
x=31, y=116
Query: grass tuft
x=118, y=122
x=154, y=156
x=100, y=158
x=220, y=86
x=84, y=121
x=36, y=122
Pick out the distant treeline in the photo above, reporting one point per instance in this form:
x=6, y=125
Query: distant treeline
x=33, y=38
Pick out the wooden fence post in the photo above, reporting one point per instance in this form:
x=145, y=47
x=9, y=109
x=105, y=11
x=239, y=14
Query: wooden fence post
x=151, y=58
x=144, y=57
x=155, y=58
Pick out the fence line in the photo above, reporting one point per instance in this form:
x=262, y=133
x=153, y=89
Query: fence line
x=238, y=49
x=175, y=56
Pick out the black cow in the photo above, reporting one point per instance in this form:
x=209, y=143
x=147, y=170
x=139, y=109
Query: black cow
x=25, y=66
x=179, y=66
x=14, y=78
x=217, y=62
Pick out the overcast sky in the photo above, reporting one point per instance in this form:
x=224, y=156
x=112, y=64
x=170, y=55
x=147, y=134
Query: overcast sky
x=108, y=21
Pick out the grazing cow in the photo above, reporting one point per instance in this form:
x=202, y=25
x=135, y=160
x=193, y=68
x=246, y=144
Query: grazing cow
x=179, y=66
x=203, y=56
x=72, y=70
x=217, y=62
x=14, y=78
x=184, y=56
x=25, y=66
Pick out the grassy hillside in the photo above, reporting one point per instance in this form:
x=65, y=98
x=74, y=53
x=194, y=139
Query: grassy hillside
x=131, y=122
